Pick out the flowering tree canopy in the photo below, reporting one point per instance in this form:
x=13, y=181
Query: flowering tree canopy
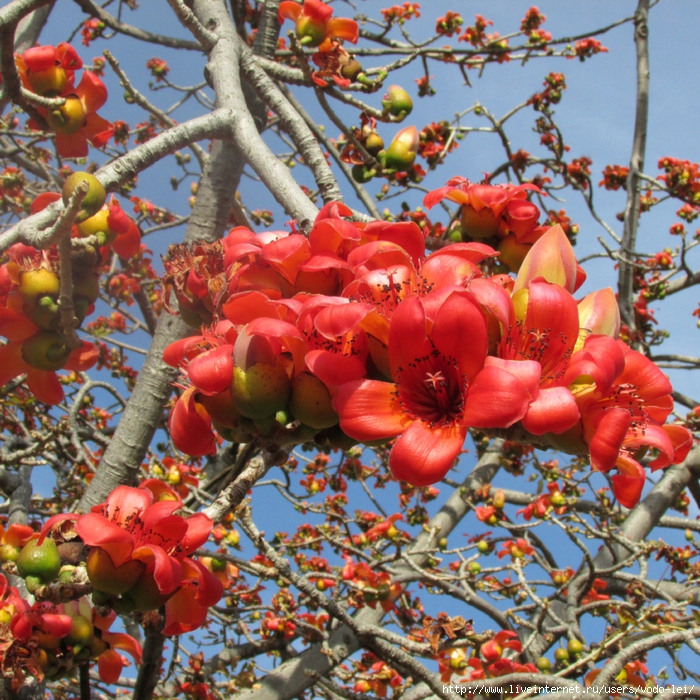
x=301, y=445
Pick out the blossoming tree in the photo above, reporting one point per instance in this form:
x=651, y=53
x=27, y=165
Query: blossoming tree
x=471, y=456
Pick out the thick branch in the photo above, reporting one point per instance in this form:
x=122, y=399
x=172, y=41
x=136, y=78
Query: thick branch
x=29, y=29
x=13, y=12
x=223, y=70
x=122, y=459
x=293, y=124
x=629, y=236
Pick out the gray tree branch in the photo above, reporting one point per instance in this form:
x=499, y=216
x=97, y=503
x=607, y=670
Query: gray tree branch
x=629, y=236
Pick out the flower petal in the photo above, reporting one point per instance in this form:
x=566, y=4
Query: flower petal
x=166, y=571
x=183, y=613
x=552, y=257
x=459, y=332
x=289, y=10
x=333, y=369
x=91, y=91
x=610, y=429
x=125, y=642
x=45, y=386
x=553, y=411
x=198, y=530
x=110, y=666
x=209, y=588
x=128, y=244
x=212, y=371
x=496, y=399
x=83, y=357
x=95, y=530
x=190, y=427
x=343, y=28
x=423, y=455
x=97, y=131
x=369, y=410
x=627, y=489
x=553, y=311
x=408, y=339
x=72, y=145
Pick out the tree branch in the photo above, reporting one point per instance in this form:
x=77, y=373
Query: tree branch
x=112, y=22
x=223, y=70
x=629, y=236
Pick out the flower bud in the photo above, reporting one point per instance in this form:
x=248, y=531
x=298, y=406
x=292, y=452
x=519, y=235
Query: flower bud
x=93, y=200
x=261, y=386
x=68, y=118
x=402, y=150
x=397, y=103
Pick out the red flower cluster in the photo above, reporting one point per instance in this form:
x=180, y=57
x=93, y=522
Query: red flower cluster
x=579, y=171
x=140, y=554
x=30, y=286
x=490, y=665
x=433, y=142
x=545, y=503
x=356, y=332
x=530, y=26
x=110, y=225
x=614, y=177
x=476, y=34
x=682, y=178
x=554, y=86
x=400, y=13
x=585, y=48
x=158, y=67
x=449, y=24
x=49, y=71
x=30, y=320
x=374, y=588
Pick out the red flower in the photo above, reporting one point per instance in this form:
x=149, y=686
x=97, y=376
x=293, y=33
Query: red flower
x=543, y=504
x=452, y=661
x=76, y=121
x=48, y=70
x=437, y=349
x=505, y=639
x=516, y=548
x=623, y=406
x=314, y=25
x=490, y=210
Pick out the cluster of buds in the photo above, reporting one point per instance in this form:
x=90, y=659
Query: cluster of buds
x=49, y=71
x=354, y=333
x=373, y=588
x=681, y=177
x=397, y=160
x=50, y=641
x=62, y=629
